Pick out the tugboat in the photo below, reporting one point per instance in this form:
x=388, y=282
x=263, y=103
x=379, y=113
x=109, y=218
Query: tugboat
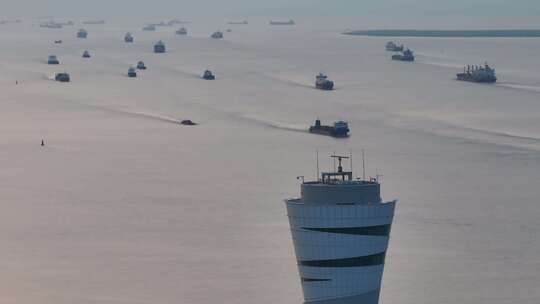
x=217, y=35
x=62, y=77
x=290, y=22
x=128, y=38
x=159, y=47
x=53, y=60
x=484, y=74
x=392, y=47
x=149, y=28
x=86, y=54
x=141, y=66
x=208, y=75
x=339, y=129
x=181, y=31
x=408, y=55
x=323, y=83
x=82, y=33
x=131, y=72
x=187, y=122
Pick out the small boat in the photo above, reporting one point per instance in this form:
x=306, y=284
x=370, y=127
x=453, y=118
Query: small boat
x=131, y=72
x=208, y=75
x=187, y=122
x=86, y=54
x=82, y=33
x=62, y=77
x=141, y=66
x=159, y=47
x=58, y=41
x=53, y=60
x=128, y=38
x=217, y=35
x=181, y=31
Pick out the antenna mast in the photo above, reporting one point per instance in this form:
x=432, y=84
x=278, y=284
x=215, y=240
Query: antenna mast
x=317, y=152
x=363, y=165
x=350, y=158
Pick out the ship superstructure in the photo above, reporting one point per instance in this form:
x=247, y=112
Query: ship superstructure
x=323, y=83
x=340, y=229
x=181, y=31
x=128, y=38
x=393, y=47
x=217, y=35
x=485, y=74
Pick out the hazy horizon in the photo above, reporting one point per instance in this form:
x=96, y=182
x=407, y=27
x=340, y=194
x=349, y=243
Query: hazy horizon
x=387, y=13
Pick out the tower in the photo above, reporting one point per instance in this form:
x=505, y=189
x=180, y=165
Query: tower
x=340, y=229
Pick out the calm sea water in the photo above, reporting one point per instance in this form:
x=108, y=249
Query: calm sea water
x=123, y=205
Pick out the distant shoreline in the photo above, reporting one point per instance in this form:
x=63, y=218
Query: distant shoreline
x=448, y=33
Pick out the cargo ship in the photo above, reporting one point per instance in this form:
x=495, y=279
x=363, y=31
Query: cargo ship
x=339, y=129
x=149, y=28
x=238, y=22
x=94, y=22
x=290, y=22
x=480, y=74
x=407, y=55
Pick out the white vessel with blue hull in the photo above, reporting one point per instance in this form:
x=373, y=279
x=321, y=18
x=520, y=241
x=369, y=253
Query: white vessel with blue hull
x=340, y=229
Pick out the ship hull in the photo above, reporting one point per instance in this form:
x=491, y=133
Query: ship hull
x=465, y=77
x=329, y=131
x=325, y=86
x=401, y=58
